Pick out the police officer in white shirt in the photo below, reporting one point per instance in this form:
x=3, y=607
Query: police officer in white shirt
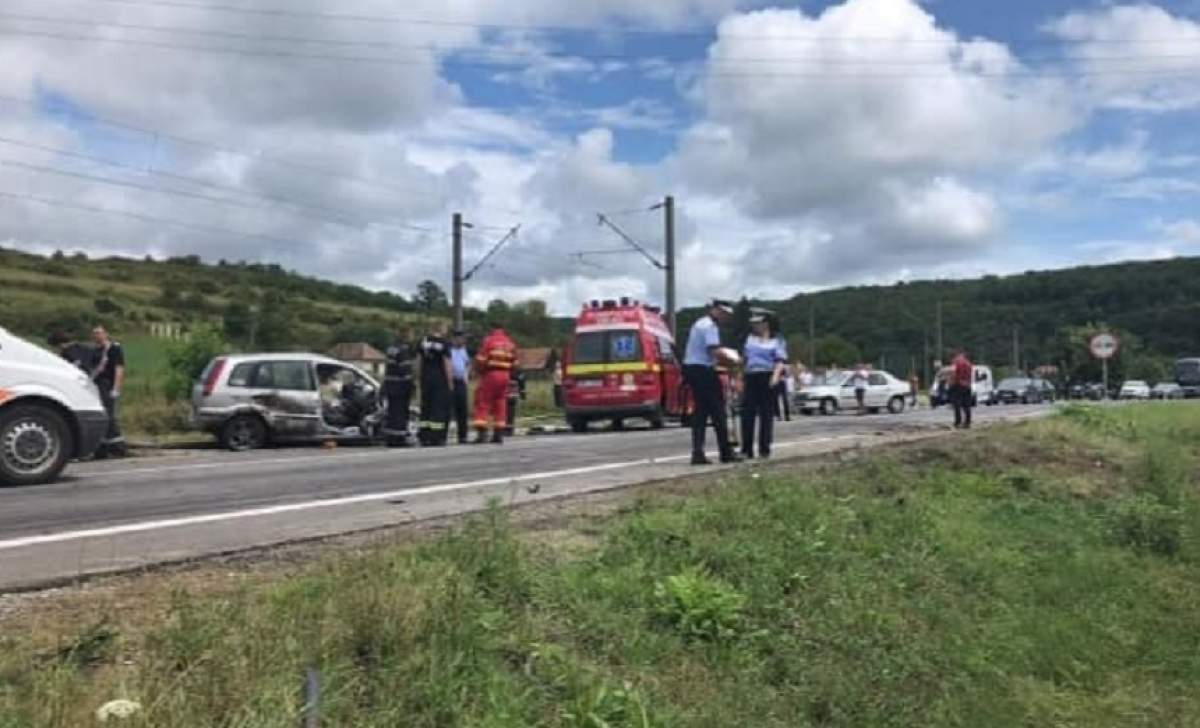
x=699, y=371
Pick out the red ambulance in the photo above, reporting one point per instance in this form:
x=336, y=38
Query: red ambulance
x=620, y=365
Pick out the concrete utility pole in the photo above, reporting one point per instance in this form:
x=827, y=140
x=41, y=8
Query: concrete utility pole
x=457, y=283
x=669, y=236
x=941, y=349
x=1016, y=358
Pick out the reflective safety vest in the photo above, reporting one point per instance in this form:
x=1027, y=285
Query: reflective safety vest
x=497, y=353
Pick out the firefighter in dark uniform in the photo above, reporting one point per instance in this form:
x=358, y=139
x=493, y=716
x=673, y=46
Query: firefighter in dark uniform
x=516, y=394
x=398, y=390
x=437, y=394
x=108, y=372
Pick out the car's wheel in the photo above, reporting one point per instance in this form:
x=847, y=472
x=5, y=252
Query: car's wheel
x=618, y=424
x=657, y=421
x=244, y=432
x=578, y=424
x=829, y=406
x=896, y=405
x=35, y=445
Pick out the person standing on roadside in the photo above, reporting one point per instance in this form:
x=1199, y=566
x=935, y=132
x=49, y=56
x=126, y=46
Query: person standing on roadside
x=914, y=384
x=962, y=376
x=398, y=389
x=765, y=356
x=701, y=357
x=861, y=379
x=436, y=393
x=495, y=361
x=460, y=361
x=783, y=409
x=108, y=372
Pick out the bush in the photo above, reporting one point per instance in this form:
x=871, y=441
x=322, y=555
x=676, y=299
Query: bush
x=1145, y=524
x=187, y=359
x=699, y=606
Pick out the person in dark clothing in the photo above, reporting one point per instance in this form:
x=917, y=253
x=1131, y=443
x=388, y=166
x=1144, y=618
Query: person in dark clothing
x=398, y=390
x=108, y=372
x=516, y=394
x=72, y=351
x=701, y=357
x=783, y=405
x=765, y=356
x=460, y=361
x=962, y=381
x=436, y=389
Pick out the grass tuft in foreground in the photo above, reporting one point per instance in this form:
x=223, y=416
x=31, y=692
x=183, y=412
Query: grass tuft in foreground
x=1044, y=574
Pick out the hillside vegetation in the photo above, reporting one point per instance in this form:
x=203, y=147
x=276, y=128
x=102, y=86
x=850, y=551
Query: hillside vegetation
x=1041, y=574
x=1155, y=306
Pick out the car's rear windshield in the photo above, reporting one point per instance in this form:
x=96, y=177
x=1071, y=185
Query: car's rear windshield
x=607, y=347
x=1015, y=383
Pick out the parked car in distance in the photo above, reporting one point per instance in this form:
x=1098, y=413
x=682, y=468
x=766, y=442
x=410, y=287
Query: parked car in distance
x=1167, y=390
x=1047, y=390
x=248, y=401
x=836, y=391
x=50, y=412
x=1020, y=390
x=1134, y=389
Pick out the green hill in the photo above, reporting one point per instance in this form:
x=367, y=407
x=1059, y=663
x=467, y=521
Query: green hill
x=1154, y=305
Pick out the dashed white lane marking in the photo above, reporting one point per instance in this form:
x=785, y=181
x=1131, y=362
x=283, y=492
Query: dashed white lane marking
x=161, y=524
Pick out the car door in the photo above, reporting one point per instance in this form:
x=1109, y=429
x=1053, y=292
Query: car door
x=878, y=390
x=287, y=390
x=848, y=399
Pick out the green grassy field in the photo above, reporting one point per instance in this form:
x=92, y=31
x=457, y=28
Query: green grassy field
x=1046, y=574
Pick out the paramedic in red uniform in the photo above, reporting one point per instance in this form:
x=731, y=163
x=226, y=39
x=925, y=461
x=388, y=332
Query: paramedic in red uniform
x=495, y=362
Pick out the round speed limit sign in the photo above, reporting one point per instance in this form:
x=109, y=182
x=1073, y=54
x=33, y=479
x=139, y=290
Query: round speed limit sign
x=1104, y=346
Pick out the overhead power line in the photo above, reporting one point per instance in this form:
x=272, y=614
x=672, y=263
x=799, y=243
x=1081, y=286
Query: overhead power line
x=435, y=63
x=491, y=253
x=600, y=30
x=502, y=55
x=302, y=208
x=207, y=229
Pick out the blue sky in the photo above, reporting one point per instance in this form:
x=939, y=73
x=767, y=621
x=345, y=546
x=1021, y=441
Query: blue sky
x=822, y=144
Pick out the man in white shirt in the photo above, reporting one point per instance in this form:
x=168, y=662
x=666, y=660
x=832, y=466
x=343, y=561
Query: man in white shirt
x=699, y=371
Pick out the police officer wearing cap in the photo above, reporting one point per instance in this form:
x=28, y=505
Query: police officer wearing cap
x=701, y=357
x=765, y=359
x=460, y=363
x=398, y=390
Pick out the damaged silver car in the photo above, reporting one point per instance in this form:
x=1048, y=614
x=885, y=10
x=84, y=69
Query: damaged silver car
x=251, y=400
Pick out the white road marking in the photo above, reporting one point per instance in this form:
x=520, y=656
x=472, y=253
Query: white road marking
x=162, y=524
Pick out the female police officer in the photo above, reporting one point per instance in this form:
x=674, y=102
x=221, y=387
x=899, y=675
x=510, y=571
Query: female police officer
x=765, y=355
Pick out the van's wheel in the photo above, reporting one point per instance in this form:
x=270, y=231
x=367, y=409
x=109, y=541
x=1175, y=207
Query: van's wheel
x=657, y=421
x=35, y=445
x=578, y=424
x=896, y=406
x=244, y=432
x=829, y=407
x=685, y=420
x=618, y=424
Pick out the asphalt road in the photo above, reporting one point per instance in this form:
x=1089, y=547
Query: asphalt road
x=108, y=516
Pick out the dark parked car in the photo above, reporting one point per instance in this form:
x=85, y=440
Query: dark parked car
x=1046, y=389
x=1022, y=390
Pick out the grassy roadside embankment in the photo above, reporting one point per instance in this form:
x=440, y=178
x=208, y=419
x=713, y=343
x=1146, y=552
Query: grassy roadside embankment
x=1040, y=574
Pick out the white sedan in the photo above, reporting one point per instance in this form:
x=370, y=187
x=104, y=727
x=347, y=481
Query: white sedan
x=1135, y=389
x=837, y=392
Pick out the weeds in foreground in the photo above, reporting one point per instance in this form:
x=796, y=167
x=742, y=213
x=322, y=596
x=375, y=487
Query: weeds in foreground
x=889, y=593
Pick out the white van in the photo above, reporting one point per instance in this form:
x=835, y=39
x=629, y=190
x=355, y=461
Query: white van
x=983, y=389
x=50, y=412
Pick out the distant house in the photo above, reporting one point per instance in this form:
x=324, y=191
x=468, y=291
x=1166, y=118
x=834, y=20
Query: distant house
x=537, y=362
x=364, y=356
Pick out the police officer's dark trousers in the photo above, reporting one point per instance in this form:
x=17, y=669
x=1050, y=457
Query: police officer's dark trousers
x=461, y=408
x=709, y=405
x=961, y=398
x=435, y=410
x=399, y=397
x=758, y=406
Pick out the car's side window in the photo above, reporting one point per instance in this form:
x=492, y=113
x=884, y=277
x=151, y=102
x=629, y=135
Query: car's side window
x=293, y=375
x=666, y=354
x=877, y=380
x=242, y=374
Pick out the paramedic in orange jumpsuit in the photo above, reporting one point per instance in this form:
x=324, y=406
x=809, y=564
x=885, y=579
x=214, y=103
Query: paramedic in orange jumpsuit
x=495, y=362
